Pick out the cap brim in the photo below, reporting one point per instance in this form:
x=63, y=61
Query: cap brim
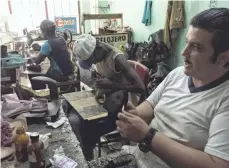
x=86, y=64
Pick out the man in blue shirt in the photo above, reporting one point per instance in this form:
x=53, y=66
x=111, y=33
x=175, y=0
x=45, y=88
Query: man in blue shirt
x=55, y=49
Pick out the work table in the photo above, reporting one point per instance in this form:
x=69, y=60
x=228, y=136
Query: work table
x=62, y=136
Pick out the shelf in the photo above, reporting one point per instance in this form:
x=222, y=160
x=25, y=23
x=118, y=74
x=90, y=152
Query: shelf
x=101, y=16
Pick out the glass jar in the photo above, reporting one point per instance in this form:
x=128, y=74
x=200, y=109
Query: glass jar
x=36, y=152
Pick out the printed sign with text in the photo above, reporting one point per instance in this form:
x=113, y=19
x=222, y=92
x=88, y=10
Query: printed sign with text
x=63, y=23
x=113, y=39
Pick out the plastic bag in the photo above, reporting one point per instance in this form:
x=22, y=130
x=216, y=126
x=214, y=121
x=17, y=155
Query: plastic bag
x=62, y=161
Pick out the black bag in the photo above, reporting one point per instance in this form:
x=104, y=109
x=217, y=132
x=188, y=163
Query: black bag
x=34, y=67
x=122, y=161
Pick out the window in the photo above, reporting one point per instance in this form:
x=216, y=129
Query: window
x=29, y=13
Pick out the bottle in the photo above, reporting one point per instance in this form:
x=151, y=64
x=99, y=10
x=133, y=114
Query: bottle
x=36, y=152
x=21, y=142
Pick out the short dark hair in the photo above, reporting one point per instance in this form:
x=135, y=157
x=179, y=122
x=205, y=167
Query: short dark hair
x=216, y=21
x=48, y=26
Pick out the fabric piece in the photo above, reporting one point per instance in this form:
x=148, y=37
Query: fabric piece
x=22, y=106
x=174, y=20
x=12, y=61
x=147, y=13
x=198, y=120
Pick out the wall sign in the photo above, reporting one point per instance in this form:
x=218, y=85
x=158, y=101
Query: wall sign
x=113, y=39
x=63, y=23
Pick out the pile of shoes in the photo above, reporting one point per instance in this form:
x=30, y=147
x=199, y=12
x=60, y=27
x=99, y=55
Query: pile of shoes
x=153, y=54
x=148, y=53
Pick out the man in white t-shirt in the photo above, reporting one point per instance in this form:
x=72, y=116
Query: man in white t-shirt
x=185, y=121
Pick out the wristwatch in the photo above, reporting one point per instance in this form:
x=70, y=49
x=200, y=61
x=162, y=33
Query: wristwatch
x=145, y=144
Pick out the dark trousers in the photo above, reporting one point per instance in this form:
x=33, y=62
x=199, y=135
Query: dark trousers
x=89, y=132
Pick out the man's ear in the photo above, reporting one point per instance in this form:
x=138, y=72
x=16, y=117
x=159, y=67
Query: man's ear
x=223, y=59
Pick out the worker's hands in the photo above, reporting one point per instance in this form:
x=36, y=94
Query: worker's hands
x=130, y=108
x=131, y=126
x=100, y=95
x=103, y=83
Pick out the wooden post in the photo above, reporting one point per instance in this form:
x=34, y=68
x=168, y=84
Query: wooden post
x=9, y=6
x=46, y=10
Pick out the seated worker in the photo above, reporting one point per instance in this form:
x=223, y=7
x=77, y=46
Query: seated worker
x=110, y=63
x=55, y=49
x=185, y=121
x=116, y=74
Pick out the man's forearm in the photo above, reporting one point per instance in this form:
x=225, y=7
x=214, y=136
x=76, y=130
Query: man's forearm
x=145, y=111
x=38, y=59
x=180, y=156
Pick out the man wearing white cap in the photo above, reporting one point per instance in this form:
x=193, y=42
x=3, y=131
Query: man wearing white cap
x=116, y=74
x=110, y=63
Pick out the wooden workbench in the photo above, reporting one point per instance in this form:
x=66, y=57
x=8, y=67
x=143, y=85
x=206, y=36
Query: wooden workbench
x=62, y=136
x=85, y=104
